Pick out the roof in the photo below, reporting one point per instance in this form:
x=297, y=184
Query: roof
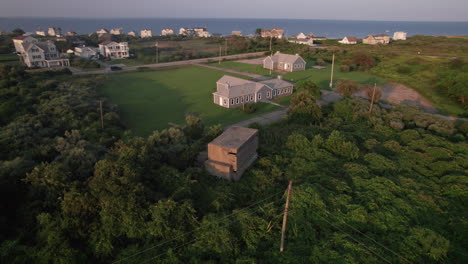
x=281, y=57
x=352, y=39
x=22, y=37
x=237, y=86
x=276, y=83
x=382, y=35
x=234, y=137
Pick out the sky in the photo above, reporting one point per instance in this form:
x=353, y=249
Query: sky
x=387, y=10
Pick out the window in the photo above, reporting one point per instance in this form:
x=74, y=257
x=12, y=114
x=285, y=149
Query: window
x=259, y=96
x=274, y=92
x=224, y=102
x=237, y=100
x=232, y=101
x=247, y=98
x=242, y=99
x=268, y=94
x=251, y=98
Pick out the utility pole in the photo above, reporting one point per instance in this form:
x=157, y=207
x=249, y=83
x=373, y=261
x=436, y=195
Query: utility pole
x=372, y=99
x=157, y=52
x=333, y=66
x=102, y=116
x=271, y=39
x=219, y=62
x=285, y=216
x=225, y=49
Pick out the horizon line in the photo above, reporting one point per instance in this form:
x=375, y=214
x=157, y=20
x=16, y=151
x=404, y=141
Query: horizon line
x=254, y=18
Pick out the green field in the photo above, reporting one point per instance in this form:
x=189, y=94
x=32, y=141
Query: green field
x=149, y=101
x=238, y=66
x=421, y=74
x=322, y=77
x=8, y=59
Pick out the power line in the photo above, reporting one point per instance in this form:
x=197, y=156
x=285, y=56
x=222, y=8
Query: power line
x=350, y=236
x=184, y=244
x=393, y=252
x=196, y=229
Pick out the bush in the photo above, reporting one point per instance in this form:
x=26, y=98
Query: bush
x=320, y=62
x=249, y=108
x=344, y=68
x=346, y=87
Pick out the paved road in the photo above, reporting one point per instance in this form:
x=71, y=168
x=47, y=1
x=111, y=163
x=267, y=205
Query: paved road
x=253, y=75
x=174, y=63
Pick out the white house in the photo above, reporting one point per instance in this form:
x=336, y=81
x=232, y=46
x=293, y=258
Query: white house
x=38, y=54
x=234, y=92
x=102, y=31
x=349, y=40
x=52, y=31
x=116, y=31
x=87, y=52
x=132, y=33
x=202, y=32
x=167, y=32
x=114, y=50
x=399, y=35
x=284, y=62
x=301, y=36
x=146, y=33
x=41, y=32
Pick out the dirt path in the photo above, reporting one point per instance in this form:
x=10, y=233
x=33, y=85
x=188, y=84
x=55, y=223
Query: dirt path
x=395, y=93
x=174, y=63
x=252, y=75
x=255, y=61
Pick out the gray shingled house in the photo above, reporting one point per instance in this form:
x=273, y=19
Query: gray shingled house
x=284, y=62
x=234, y=92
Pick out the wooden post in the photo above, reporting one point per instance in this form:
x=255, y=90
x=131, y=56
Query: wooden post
x=372, y=99
x=270, y=42
x=225, y=49
x=333, y=66
x=157, y=53
x=102, y=117
x=285, y=216
x=219, y=62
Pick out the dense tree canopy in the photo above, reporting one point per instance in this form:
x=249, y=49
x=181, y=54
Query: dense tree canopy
x=389, y=187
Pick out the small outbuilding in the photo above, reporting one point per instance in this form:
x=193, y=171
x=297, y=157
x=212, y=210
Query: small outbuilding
x=230, y=154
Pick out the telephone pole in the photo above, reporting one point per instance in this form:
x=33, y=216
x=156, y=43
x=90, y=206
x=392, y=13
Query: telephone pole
x=102, y=116
x=271, y=38
x=225, y=49
x=157, y=52
x=333, y=66
x=372, y=99
x=285, y=216
x=219, y=62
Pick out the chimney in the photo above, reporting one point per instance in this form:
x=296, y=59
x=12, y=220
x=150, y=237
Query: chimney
x=297, y=54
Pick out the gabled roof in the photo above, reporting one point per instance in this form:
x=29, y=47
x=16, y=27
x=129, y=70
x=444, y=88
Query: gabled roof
x=22, y=37
x=238, y=87
x=288, y=58
x=351, y=39
x=276, y=83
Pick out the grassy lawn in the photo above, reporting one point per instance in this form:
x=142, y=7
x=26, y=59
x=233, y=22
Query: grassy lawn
x=8, y=59
x=419, y=73
x=285, y=100
x=238, y=66
x=151, y=100
x=322, y=77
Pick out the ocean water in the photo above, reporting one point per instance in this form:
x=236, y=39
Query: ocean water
x=327, y=28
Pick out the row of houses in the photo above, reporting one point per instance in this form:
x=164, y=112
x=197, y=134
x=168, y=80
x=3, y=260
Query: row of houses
x=42, y=54
x=201, y=32
x=108, y=49
x=374, y=39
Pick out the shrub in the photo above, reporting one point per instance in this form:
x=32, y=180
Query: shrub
x=347, y=87
x=344, y=68
x=320, y=62
x=249, y=108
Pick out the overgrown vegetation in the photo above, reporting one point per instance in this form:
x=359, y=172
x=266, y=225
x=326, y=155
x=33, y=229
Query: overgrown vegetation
x=386, y=187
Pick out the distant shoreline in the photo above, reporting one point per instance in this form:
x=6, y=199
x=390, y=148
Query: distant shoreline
x=328, y=28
